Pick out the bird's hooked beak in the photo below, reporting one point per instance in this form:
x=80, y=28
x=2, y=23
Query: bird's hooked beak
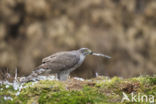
x=90, y=52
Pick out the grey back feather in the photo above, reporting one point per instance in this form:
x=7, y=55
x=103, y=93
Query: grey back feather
x=61, y=61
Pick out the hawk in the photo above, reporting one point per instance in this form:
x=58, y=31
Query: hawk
x=62, y=63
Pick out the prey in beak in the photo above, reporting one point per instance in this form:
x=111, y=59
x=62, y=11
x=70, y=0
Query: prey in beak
x=100, y=54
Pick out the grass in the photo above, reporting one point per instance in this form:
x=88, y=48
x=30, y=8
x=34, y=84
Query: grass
x=100, y=90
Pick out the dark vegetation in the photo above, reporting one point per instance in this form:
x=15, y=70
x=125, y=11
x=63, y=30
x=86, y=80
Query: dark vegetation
x=123, y=29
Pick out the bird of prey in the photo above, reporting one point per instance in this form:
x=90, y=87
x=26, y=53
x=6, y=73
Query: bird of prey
x=63, y=63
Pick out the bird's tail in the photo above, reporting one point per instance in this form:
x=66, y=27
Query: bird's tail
x=33, y=75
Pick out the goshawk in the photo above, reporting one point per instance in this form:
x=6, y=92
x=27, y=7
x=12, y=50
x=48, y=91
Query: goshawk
x=63, y=63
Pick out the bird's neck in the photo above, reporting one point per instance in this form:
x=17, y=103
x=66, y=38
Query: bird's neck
x=82, y=57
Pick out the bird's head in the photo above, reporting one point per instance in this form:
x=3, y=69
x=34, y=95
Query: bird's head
x=85, y=51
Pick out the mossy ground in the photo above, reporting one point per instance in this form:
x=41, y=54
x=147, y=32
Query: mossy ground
x=100, y=90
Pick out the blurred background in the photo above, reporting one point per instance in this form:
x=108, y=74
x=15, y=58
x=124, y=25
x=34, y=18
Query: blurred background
x=123, y=29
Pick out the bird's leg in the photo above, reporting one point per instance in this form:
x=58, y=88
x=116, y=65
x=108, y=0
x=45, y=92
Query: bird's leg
x=63, y=76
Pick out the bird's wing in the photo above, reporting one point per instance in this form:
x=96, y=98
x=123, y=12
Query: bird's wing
x=60, y=61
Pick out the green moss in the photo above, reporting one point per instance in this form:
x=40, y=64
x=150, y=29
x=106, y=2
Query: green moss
x=101, y=90
x=87, y=95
